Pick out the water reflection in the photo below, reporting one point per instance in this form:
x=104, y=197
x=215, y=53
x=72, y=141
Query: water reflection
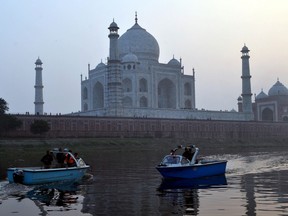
x=50, y=199
x=55, y=194
x=205, y=182
x=184, y=193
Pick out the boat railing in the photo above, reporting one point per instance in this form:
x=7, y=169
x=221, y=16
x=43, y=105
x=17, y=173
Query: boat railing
x=194, y=158
x=78, y=161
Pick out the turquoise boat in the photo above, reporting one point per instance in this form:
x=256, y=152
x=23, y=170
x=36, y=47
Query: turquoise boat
x=40, y=175
x=178, y=166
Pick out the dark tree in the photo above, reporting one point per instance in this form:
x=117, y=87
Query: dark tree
x=39, y=127
x=7, y=122
x=3, y=106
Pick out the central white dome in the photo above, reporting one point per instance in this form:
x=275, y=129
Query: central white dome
x=138, y=41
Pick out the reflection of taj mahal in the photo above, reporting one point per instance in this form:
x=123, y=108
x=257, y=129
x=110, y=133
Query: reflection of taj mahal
x=134, y=84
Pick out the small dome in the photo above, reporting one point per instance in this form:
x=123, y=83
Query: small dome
x=261, y=95
x=245, y=49
x=130, y=57
x=278, y=89
x=174, y=61
x=38, y=61
x=113, y=25
x=239, y=98
x=100, y=66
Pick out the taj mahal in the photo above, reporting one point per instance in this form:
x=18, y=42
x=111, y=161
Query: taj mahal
x=133, y=83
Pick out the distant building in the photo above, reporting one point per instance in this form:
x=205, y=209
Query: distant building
x=274, y=106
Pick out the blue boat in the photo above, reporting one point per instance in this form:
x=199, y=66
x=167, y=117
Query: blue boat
x=40, y=175
x=179, y=166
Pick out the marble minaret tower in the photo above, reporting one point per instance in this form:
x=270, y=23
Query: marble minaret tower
x=246, y=85
x=38, y=88
x=114, y=73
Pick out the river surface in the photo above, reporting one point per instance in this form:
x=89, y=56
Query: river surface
x=124, y=181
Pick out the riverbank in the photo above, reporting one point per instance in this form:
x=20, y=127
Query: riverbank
x=137, y=143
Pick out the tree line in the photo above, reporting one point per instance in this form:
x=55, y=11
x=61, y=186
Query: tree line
x=10, y=122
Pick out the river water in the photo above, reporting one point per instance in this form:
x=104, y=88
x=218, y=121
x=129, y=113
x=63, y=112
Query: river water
x=124, y=181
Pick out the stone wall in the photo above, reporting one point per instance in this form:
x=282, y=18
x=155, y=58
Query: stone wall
x=76, y=126
x=187, y=114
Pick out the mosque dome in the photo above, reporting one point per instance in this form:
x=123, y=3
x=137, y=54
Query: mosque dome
x=261, y=95
x=38, y=61
x=174, y=62
x=278, y=89
x=130, y=57
x=140, y=42
x=100, y=66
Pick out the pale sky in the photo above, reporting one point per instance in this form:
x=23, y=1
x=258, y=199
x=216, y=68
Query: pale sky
x=207, y=34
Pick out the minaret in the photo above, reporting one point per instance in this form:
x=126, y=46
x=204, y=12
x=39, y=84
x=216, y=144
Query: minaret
x=246, y=86
x=38, y=88
x=115, y=94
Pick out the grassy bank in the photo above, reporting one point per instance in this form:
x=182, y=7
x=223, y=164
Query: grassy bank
x=100, y=143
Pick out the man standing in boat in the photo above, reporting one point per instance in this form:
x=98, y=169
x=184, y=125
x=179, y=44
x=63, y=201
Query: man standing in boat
x=60, y=156
x=47, y=160
x=188, y=153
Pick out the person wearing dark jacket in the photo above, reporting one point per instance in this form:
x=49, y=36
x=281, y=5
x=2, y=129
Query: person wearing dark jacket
x=47, y=160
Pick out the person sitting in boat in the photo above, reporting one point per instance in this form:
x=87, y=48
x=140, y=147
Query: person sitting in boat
x=69, y=160
x=60, y=158
x=47, y=160
x=188, y=153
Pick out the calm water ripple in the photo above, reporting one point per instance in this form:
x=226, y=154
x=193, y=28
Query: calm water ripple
x=125, y=182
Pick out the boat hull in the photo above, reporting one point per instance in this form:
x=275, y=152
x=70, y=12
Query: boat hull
x=193, y=171
x=32, y=176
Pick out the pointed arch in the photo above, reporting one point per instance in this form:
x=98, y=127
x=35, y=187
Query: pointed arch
x=188, y=104
x=143, y=102
x=143, y=85
x=85, y=107
x=98, y=96
x=187, y=89
x=166, y=94
x=267, y=114
x=85, y=93
x=127, y=101
x=127, y=85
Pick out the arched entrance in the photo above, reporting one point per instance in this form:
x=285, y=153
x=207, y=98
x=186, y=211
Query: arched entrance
x=98, y=96
x=166, y=94
x=267, y=115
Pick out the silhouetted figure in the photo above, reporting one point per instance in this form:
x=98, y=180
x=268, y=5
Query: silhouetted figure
x=188, y=153
x=60, y=156
x=47, y=160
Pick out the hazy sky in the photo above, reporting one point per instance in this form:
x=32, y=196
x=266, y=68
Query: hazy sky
x=207, y=34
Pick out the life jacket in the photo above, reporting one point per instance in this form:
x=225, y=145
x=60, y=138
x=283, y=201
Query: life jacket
x=69, y=159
